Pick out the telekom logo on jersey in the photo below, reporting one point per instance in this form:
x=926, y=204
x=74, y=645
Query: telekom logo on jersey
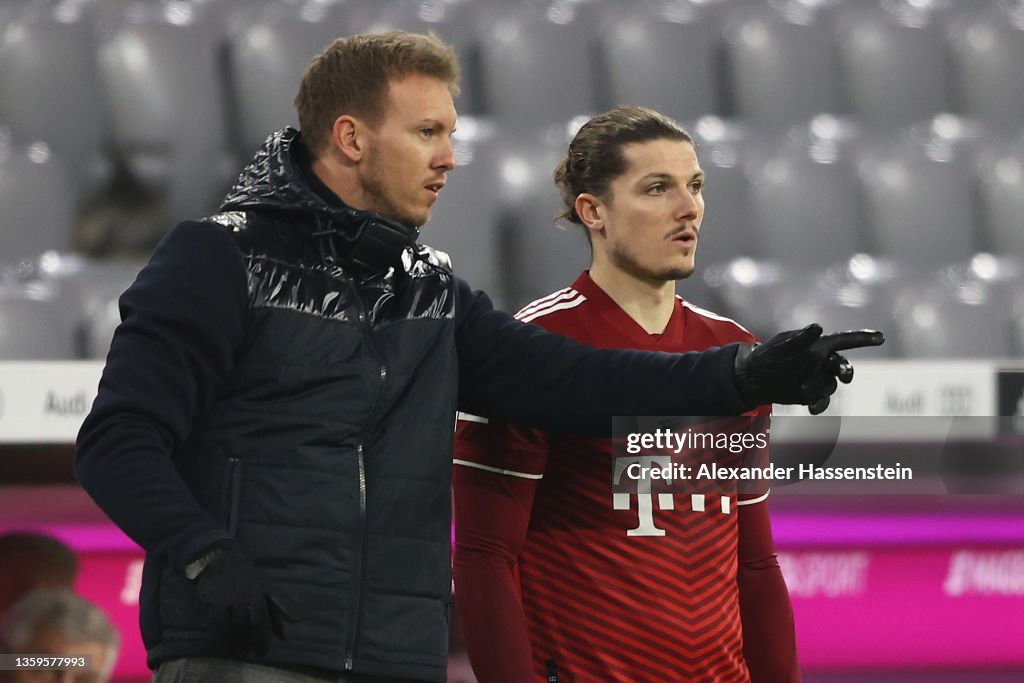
x=646, y=495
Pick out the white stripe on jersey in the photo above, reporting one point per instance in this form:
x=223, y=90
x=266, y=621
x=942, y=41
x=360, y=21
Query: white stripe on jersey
x=751, y=501
x=555, y=297
x=572, y=303
x=469, y=417
x=711, y=314
x=497, y=470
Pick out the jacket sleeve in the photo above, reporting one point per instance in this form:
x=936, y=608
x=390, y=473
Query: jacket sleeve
x=495, y=479
x=524, y=374
x=182, y=321
x=769, y=636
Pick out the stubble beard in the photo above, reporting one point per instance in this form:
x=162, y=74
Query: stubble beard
x=628, y=262
x=375, y=185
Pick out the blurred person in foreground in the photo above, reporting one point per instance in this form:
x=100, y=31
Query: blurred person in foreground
x=559, y=576
x=275, y=420
x=30, y=560
x=57, y=623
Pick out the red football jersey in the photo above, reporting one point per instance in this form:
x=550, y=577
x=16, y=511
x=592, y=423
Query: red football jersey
x=620, y=584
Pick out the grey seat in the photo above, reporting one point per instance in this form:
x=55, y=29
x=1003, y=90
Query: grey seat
x=987, y=49
x=539, y=256
x=1018, y=326
x=856, y=293
x=750, y=290
x=920, y=202
x=806, y=196
x=457, y=23
x=853, y=308
x=893, y=60
x=664, y=58
x=34, y=325
x=90, y=288
x=537, y=71
x=11, y=10
x=270, y=50
x=162, y=74
x=782, y=62
x=36, y=201
x=464, y=221
x=724, y=149
x=1002, y=199
x=727, y=232
x=49, y=88
x=1000, y=277
x=962, y=321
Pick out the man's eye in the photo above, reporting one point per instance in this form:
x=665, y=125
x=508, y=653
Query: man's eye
x=656, y=189
x=427, y=133
x=696, y=186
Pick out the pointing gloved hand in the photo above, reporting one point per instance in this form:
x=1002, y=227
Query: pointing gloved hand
x=239, y=596
x=799, y=366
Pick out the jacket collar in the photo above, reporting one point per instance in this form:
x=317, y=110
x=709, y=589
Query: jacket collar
x=280, y=179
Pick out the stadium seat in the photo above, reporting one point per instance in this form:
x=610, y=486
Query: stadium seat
x=1018, y=327
x=892, y=56
x=856, y=293
x=11, y=10
x=36, y=201
x=163, y=77
x=457, y=22
x=90, y=288
x=537, y=67
x=953, y=320
x=727, y=232
x=806, y=196
x=750, y=290
x=464, y=222
x=1001, y=277
x=49, y=88
x=782, y=61
x=987, y=51
x=540, y=256
x=34, y=324
x=1002, y=198
x=724, y=148
x=97, y=329
x=920, y=200
x=663, y=57
x=852, y=308
x=269, y=52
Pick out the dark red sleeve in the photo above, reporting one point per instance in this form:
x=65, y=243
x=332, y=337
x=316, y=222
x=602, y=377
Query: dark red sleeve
x=492, y=513
x=769, y=636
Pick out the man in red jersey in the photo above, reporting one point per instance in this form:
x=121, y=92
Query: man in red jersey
x=559, y=576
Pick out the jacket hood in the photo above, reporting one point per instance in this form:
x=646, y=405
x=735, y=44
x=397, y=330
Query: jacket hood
x=278, y=180
x=275, y=180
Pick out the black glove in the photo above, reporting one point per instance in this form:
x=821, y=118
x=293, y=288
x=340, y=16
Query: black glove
x=239, y=598
x=799, y=366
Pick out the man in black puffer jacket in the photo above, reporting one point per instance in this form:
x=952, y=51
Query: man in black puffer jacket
x=274, y=422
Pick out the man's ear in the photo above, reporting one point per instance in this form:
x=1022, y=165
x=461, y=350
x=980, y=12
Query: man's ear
x=590, y=209
x=348, y=137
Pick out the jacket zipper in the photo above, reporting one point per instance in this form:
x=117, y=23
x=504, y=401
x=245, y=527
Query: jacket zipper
x=359, y=567
x=357, y=570
x=234, y=493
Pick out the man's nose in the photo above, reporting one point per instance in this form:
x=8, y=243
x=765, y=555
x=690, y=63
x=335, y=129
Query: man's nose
x=446, y=159
x=687, y=207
